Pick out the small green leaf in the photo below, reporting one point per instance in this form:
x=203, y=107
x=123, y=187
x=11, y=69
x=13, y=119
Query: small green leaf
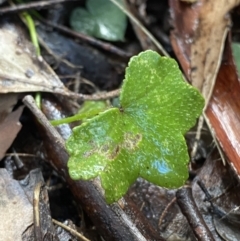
x=144, y=137
x=236, y=55
x=82, y=21
x=102, y=19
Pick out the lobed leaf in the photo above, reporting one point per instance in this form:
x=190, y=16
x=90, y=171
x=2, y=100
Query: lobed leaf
x=144, y=137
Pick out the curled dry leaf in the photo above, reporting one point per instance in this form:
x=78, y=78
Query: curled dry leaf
x=20, y=69
x=208, y=43
x=9, y=125
x=200, y=33
x=9, y=129
x=7, y=101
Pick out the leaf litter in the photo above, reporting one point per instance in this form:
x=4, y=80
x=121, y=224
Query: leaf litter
x=133, y=141
x=20, y=69
x=9, y=129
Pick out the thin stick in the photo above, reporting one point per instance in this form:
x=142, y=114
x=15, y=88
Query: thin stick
x=190, y=211
x=20, y=154
x=135, y=20
x=55, y=56
x=70, y=230
x=95, y=42
x=197, y=137
x=165, y=211
x=32, y=5
x=99, y=96
x=36, y=211
x=215, y=139
x=201, y=120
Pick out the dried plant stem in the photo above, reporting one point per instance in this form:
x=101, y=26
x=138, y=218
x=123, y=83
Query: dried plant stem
x=70, y=230
x=137, y=22
x=98, y=96
x=165, y=211
x=191, y=212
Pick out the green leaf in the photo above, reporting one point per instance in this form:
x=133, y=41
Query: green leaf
x=236, y=55
x=102, y=19
x=144, y=137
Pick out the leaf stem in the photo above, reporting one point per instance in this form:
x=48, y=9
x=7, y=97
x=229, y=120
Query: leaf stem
x=32, y=31
x=68, y=120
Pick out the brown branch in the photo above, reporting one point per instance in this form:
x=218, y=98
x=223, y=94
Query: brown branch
x=190, y=211
x=109, y=225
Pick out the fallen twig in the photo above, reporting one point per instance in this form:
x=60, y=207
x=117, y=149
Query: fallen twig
x=30, y=6
x=108, y=223
x=190, y=211
x=94, y=42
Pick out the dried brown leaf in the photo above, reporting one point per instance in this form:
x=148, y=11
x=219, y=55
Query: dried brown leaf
x=9, y=129
x=7, y=101
x=20, y=69
x=212, y=26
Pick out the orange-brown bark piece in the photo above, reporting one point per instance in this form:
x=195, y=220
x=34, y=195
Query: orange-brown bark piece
x=223, y=109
